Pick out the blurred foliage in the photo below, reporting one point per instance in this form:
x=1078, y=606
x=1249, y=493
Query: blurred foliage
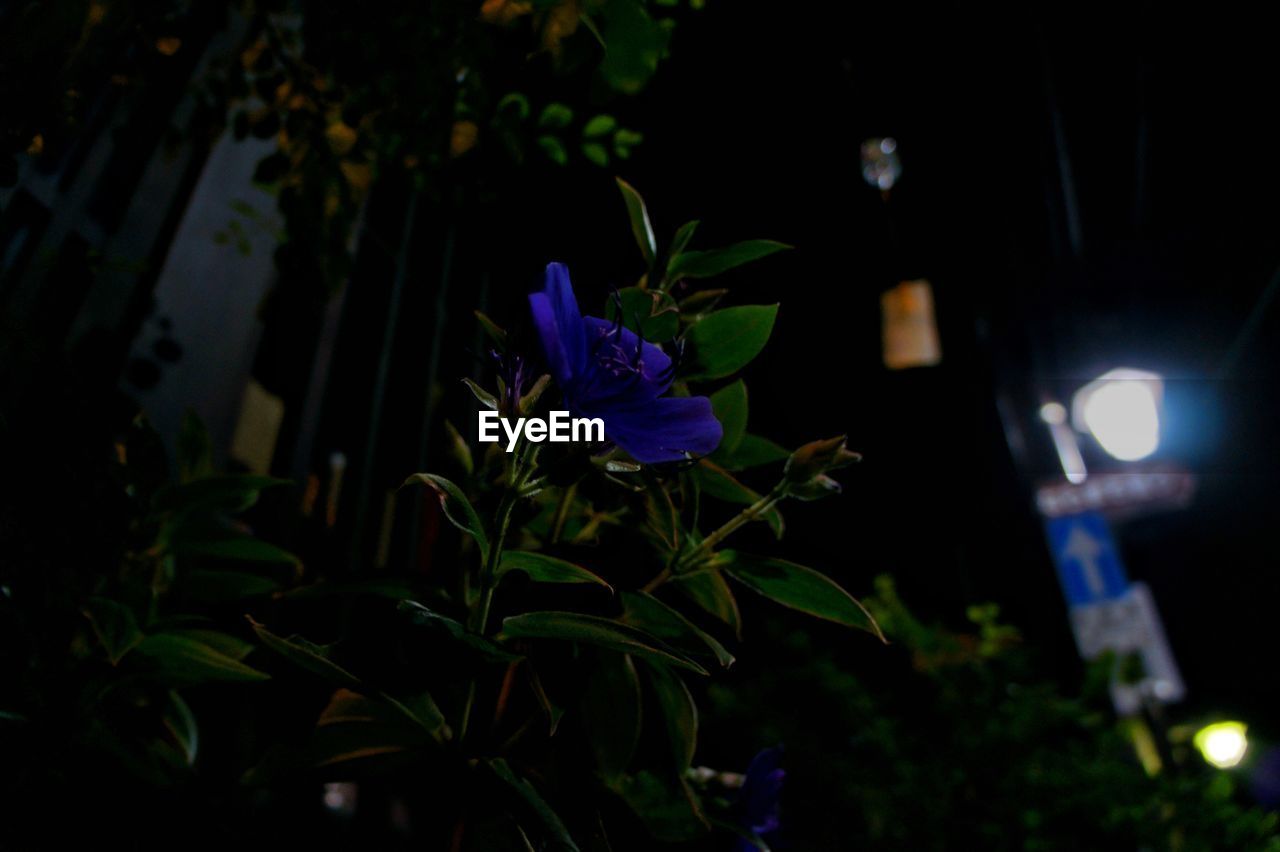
x=961, y=742
x=447, y=97
x=57, y=60
x=100, y=656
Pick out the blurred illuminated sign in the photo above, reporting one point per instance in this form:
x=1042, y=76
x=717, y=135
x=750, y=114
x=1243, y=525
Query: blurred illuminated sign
x=1110, y=614
x=1089, y=567
x=1130, y=625
x=1117, y=493
x=909, y=328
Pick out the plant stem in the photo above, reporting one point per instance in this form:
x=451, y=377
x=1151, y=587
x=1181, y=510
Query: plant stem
x=562, y=512
x=663, y=576
x=479, y=619
x=751, y=513
x=746, y=516
x=489, y=574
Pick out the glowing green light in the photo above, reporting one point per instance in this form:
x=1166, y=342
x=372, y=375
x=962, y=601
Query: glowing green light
x=1222, y=744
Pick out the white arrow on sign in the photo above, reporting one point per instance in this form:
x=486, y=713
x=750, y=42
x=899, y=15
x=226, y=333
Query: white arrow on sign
x=1086, y=549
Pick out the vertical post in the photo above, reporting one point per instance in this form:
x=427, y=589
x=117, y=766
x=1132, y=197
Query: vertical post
x=380, y=381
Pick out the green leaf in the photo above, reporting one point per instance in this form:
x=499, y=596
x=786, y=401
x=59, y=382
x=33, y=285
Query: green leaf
x=623, y=142
x=798, y=588
x=240, y=548
x=722, y=485
x=453, y=630
x=641, y=229
x=422, y=708
x=707, y=588
x=651, y=615
x=600, y=125
x=704, y=264
x=729, y=404
x=547, y=569
x=627, y=138
x=594, y=630
x=224, y=586
x=611, y=704
x=514, y=103
x=661, y=518
x=754, y=451
x=679, y=714
x=596, y=153
x=181, y=659
x=555, y=115
x=457, y=508
x=554, y=149
x=702, y=301
x=648, y=313
x=725, y=341
x=115, y=626
x=358, y=734
x=552, y=713
x=224, y=643
x=531, y=810
x=458, y=448
x=193, y=449
x=495, y=332
x=667, y=806
x=387, y=720
x=681, y=240
x=305, y=655
x=230, y=493
x=180, y=723
x=482, y=396
x=529, y=399
x=634, y=42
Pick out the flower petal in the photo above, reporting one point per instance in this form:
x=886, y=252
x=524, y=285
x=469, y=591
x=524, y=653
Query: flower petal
x=611, y=386
x=661, y=430
x=559, y=324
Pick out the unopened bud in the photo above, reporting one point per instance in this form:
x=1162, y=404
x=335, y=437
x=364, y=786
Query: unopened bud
x=817, y=458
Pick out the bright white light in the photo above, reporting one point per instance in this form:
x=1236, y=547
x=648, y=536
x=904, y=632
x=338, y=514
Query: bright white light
x=1222, y=744
x=1121, y=408
x=1064, y=440
x=1053, y=413
x=340, y=797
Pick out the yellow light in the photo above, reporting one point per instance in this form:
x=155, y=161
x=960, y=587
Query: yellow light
x=1222, y=744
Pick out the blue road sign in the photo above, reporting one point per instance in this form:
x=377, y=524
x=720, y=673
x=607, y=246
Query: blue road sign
x=1089, y=567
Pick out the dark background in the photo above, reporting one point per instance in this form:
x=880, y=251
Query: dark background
x=1167, y=139
x=1086, y=186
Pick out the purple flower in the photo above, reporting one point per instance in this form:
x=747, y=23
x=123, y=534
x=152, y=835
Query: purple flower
x=759, y=800
x=607, y=371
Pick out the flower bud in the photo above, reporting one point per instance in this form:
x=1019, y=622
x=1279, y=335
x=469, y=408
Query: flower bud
x=815, y=489
x=817, y=458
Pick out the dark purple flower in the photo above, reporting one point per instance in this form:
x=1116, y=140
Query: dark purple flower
x=760, y=797
x=607, y=371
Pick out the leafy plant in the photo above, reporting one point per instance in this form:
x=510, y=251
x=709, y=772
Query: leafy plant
x=956, y=738
x=113, y=679
x=592, y=593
